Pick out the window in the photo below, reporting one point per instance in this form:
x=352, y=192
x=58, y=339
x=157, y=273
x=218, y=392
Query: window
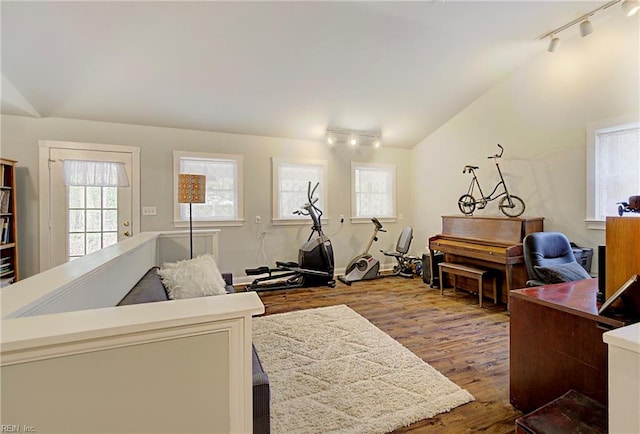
x=93, y=219
x=291, y=179
x=373, y=191
x=223, y=188
x=613, y=169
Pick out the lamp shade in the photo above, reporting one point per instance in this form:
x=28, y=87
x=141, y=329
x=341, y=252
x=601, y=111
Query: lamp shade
x=191, y=188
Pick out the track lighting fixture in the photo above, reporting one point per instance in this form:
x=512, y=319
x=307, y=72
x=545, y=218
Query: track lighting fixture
x=353, y=137
x=586, y=28
x=630, y=7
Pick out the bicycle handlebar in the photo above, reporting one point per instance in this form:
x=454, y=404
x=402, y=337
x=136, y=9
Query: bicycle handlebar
x=496, y=155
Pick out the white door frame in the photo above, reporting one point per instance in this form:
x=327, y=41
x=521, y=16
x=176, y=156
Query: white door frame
x=45, y=147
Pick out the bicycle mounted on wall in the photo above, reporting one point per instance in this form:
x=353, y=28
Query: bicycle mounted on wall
x=510, y=205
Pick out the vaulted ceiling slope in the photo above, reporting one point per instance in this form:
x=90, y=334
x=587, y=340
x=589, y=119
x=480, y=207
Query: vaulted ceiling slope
x=280, y=69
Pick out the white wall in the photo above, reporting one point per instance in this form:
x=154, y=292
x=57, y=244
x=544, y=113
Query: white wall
x=539, y=115
x=238, y=245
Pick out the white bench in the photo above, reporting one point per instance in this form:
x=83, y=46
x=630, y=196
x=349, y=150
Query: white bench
x=462, y=270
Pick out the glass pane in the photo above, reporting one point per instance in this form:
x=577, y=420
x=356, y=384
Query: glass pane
x=221, y=197
x=94, y=197
x=109, y=238
x=618, y=166
x=76, y=220
x=76, y=244
x=110, y=220
x=374, y=192
x=110, y=197
x=94, y=220
x=93, y=242
x=76, y=197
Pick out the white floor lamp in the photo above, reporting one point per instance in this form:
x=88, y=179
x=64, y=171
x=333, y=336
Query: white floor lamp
x=191, y=189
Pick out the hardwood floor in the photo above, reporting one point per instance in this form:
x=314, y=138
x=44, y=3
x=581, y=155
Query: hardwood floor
x=467, y=344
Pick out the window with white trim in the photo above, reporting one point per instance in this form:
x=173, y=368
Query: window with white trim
x=373, y=190
x=224, y=192
x=291, y=178
x=613, y=169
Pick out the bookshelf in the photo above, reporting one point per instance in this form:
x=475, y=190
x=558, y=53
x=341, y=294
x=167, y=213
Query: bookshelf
x=8, y=223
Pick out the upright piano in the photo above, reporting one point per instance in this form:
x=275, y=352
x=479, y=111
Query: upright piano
x=487, y=242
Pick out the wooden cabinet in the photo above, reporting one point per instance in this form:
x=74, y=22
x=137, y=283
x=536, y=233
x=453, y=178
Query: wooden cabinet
x=556, y=343
x=623, y=257
x=8, y=223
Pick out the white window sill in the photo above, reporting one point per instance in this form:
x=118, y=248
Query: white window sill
x=208, y=224
x=358, y=220
x=598, y=225
x=296, y=221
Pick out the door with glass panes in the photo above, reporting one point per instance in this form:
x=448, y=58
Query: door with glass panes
x=87, y=218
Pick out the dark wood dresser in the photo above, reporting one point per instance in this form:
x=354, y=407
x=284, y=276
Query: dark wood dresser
x=556, y=343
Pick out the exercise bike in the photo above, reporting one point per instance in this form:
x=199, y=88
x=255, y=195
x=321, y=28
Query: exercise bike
x=364, y=266
x=406, y=265
x=315, y=258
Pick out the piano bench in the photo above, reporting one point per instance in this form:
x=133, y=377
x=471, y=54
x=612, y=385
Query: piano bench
x=462, y=270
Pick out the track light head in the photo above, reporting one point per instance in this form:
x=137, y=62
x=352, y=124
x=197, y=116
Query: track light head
x=553, y=44
x=630, y=7
x=331, y=139
x=586, y=28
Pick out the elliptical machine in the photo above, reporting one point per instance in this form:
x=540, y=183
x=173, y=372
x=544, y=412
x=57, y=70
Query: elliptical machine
x=315, y=258
x=364, y=266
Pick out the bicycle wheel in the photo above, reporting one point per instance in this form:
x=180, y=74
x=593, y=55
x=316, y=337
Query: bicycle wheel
x=515, y=209
x=467, y=204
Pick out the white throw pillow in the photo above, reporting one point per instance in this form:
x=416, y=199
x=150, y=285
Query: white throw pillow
x=197, y=277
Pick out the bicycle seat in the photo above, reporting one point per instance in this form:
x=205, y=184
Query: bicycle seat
x=468, y=168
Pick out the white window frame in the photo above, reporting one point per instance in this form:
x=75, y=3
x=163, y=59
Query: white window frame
x=387, y=167
x=322, y=165
x=238, y=159
x=621, y=123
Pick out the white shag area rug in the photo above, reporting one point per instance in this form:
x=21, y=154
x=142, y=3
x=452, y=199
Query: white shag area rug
x=332, y=371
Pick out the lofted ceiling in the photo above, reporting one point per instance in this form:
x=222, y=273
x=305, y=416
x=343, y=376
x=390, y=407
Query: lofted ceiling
x=279, y=69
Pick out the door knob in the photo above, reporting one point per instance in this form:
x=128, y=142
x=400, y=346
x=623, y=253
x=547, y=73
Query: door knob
x=127, y=234
x=126, y=224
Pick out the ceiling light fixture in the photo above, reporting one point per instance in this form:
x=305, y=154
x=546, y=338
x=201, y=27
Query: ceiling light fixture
x=331, y=139
x=553, y=44
x=354, y=138
x=586, y=28
x=630, y=7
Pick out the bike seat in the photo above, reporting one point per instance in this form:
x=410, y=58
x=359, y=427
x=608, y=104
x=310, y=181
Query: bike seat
x=471, y=167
